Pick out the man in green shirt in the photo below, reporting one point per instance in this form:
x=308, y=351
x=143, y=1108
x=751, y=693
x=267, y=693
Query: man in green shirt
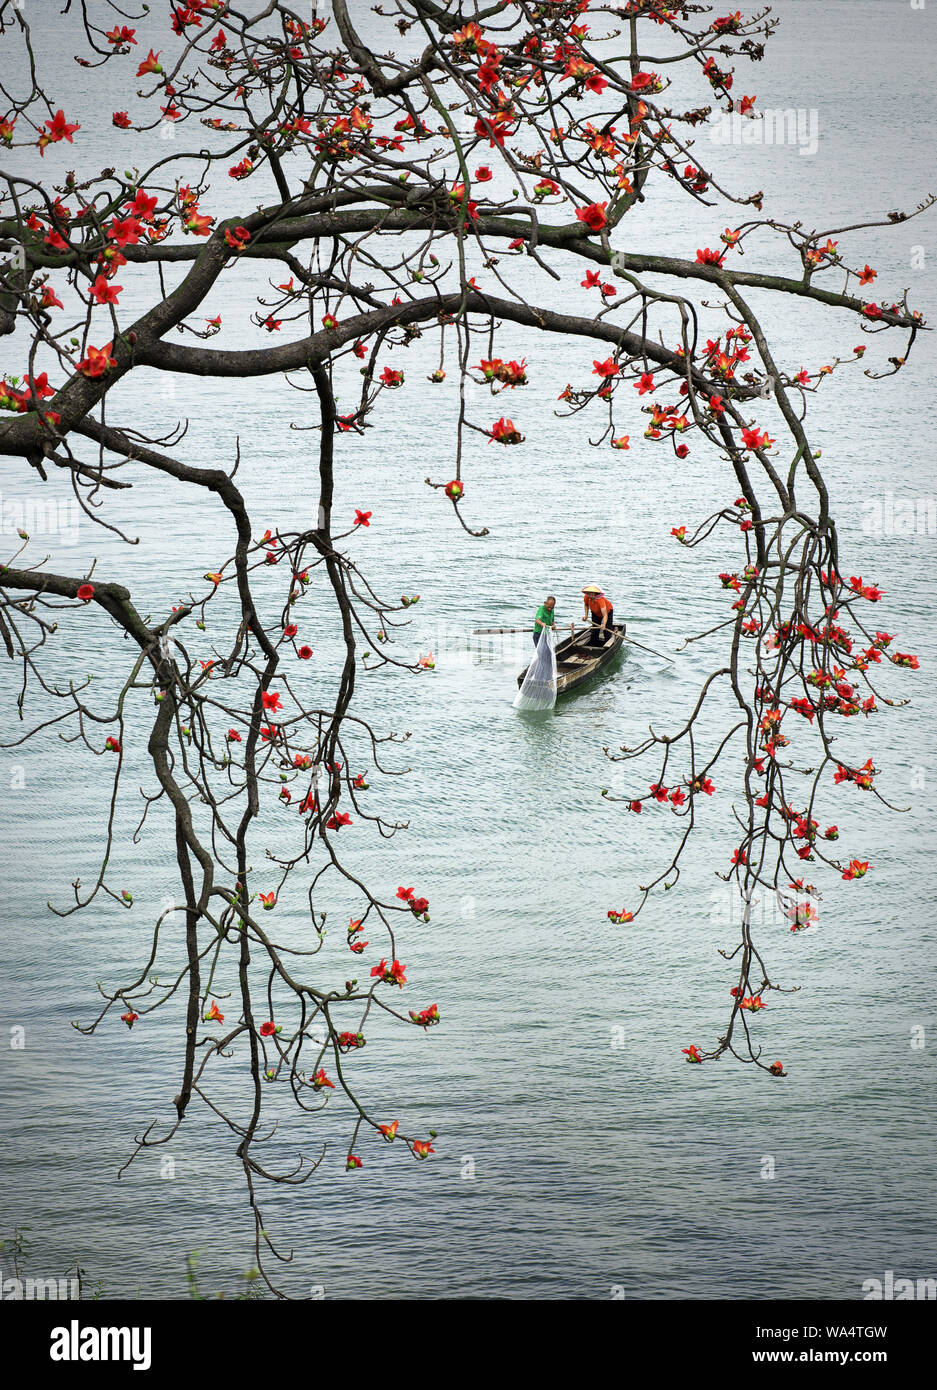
x=544, y=618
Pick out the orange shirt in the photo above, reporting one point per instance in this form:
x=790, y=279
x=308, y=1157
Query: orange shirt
x=598, y=605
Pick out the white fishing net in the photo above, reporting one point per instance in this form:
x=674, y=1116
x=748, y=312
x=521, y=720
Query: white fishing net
x=538, y=688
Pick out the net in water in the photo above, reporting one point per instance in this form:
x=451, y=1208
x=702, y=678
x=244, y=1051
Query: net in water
x=538, y=688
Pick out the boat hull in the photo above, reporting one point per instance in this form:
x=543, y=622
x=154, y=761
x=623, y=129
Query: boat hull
x=578, y=661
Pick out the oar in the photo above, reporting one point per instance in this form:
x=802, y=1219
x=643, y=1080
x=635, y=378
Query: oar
x=633, y=643
x=487, y=631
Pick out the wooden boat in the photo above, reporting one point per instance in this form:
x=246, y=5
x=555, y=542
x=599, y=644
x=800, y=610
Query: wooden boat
x=577, y=659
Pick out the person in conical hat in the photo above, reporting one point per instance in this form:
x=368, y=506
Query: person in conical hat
x=598, y=608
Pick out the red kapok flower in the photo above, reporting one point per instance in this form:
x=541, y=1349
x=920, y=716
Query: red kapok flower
x=504, y=432
x=124, y=231
x=237, y=237
x=143, y=206
x=390, y=974
x=756, y=439
x=150, y=63
x=98, y=361
x=85, y=592
x=545, y=188
x=425, y=1017
x=593, y=216
x=59, y=129
x=103, y=291
x=199, y=224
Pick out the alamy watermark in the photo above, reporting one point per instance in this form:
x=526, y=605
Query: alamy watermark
x=77, y=1343
x=17, y=253
x=16, y=1286
x=796, y=126
x=40, y=517
x=899, y=516
x=898, y=1288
